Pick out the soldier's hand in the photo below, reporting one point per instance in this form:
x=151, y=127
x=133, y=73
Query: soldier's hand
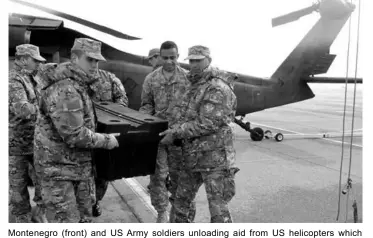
x=168, y=131
x=112, y=142
x=168, y=138
x=106, y=141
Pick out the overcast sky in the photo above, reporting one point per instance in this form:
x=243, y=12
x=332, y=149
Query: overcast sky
x=238, y=32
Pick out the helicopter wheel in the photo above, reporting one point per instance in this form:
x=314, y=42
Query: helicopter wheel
x=268, y=134
x=258, y=136
x=279, y=137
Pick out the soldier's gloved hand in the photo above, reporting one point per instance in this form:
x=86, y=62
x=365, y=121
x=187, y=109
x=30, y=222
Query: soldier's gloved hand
x=106, y=141
x=168, y=138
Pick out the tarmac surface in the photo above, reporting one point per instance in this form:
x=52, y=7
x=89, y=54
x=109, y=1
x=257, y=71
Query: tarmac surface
x=295, y=180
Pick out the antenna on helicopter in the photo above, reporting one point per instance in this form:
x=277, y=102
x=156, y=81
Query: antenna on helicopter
x=95, y=26
x=326, y=8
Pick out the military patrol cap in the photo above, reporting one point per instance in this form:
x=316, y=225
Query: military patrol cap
x=90, y=47
x=198, y=52
x=153, y=52
x=31, y=50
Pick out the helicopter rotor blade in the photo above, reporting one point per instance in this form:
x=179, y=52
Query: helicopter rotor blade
x=95, y=26
x=293, y=16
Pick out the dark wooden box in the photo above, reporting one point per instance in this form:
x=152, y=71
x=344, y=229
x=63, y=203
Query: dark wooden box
x=138, y=142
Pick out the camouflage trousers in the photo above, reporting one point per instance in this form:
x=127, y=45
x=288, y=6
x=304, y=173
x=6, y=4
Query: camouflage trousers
x=21, y=169
x=175, y=165
x=62, y=197
x=220, y=189
x=158, y=190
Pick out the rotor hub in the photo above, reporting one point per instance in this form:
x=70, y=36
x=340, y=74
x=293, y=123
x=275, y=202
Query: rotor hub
x=334, y=9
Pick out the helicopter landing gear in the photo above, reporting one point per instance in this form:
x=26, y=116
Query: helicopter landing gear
x=278, y=137
x=256, y=134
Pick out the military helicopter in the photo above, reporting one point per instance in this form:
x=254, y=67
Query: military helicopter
x=288, y=84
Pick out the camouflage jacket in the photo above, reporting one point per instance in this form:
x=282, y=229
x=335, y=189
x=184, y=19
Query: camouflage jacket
x=65, y=130
x=202, y=121
x=158, y=93
x=108, y=88
x=22, y=111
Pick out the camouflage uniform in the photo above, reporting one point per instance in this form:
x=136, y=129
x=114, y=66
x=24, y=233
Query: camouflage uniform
x=22, y=117
x=107, y=88
x=203, y=119
x=64, y=137
x=157, y=96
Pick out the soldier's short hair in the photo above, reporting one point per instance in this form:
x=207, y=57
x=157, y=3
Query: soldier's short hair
x=169, y=45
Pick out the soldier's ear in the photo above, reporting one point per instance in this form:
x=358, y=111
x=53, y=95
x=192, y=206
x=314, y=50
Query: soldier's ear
x=74, y=58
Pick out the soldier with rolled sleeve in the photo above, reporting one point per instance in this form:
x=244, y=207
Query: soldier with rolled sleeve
x=23, y=109
x=202, y=121
x=65, y=135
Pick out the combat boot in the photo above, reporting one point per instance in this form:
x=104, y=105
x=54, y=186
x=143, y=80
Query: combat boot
x=96, y=210
x=163, y=217
x=85, y=220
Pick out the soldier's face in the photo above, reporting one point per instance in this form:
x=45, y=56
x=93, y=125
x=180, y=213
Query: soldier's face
x=87, y=64
x=198, y=65
x=169, y=58
x=31, y=63
x=154, y=61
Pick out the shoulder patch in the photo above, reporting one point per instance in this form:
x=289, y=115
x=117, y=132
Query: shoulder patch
x=215, y=96
x=70, y=105
x=209, y=107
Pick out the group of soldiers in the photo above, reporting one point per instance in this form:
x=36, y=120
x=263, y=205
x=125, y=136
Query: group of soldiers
x=52, y=131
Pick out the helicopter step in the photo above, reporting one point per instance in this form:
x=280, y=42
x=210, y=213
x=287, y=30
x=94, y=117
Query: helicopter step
x=280, y=137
